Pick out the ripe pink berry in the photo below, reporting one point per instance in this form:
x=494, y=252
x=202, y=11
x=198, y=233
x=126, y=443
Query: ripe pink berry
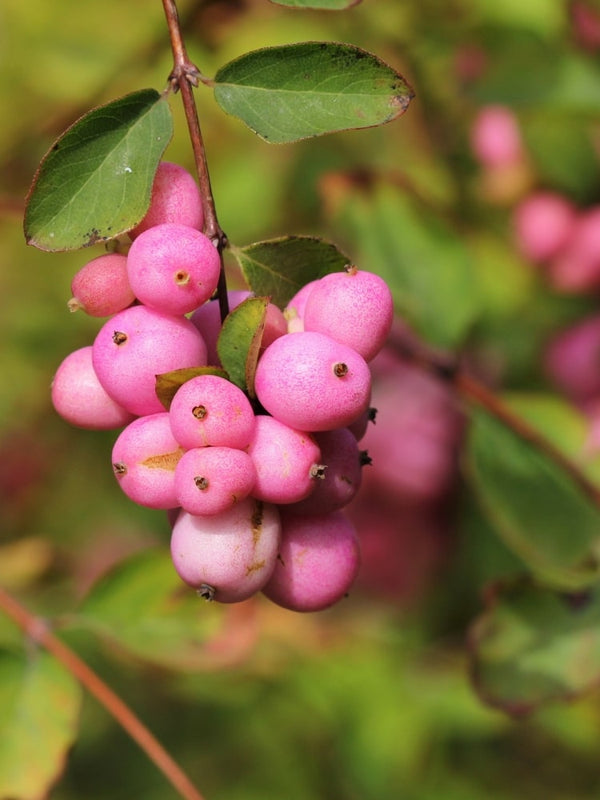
x=496, y=137
x=354, y=307
x=294, y=311
x=144, y=458
x=209, y=480
x=173, y=268
x=137, y=344
x=576, y=268
x=209, y=410
x=101, y=287
x=311, y=382
x=543, y=223
x=572, y=357
x=78, y=396
x=287, y=461
x=229, y=556
x=318, y=561
x=175, y=198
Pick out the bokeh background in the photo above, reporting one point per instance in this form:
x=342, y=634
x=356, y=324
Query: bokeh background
x=371, y=699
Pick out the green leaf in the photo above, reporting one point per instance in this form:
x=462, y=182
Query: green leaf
x=296, y=91
x=329, y=5
x=95, y=182
x=538, y=509
x=238, y=344
x=278, y=268
x=40, y=704
x=167, y=383
x=533, y=645
x=143, y=606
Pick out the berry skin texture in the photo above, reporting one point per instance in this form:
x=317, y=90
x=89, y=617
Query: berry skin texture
x=318, y=562
x=230, y=556
x=211, y=411
x=144, y=458
x=286, y=461
x=210, y=480
x=137, y=344
x=354, y=307
x=311, y=382
x=79, y=398
x=101, y=287
x=173, y=268
x=175, y=198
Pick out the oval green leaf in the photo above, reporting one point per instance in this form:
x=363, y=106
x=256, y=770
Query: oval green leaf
x=278, y=268
x=533, y=645
x=238, y=344
x=95, y=182
x=327, y=5
x=536, y=506
x=297, y=91
x=167, y=383
x=40, y=704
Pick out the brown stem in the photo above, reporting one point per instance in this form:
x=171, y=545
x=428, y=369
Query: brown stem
x=475, y=393
x=184, y=76
x=38, y=631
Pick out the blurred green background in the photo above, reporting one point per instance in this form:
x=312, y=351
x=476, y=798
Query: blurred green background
x=372, y=698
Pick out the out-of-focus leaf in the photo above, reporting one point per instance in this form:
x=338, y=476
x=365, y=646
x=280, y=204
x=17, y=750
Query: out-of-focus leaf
x=538, y=509
x=278, y=268
x=238, y=344
x=95, y=182
x=297, y=91
x=533, y=645
x=40, y=704
x=329, y=5
x=167, y=383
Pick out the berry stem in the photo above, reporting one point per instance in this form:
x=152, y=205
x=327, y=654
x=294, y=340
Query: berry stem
x=38, y=631
x=184, y=76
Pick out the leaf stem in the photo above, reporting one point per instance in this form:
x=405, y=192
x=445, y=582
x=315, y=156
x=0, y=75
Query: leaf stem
x=39, y=632
x=184, y=76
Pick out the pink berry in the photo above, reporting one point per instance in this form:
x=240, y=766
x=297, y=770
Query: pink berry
x=101, y=287
x=175, y=198
x=287, y=461
x=78, y=396
x=209, y=410
x=173, y=268
x=209, y=480
x=294, y=311
x=144, y=458
x=311, y=382
x=572, y=360
x=576, y=268
x=137, y=344
x=354, y=307
x=229, y=556
x=318, y=561
x=496, y=137
x=543, y=223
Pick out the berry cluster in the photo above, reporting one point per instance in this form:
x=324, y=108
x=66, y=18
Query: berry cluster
x=254, y=486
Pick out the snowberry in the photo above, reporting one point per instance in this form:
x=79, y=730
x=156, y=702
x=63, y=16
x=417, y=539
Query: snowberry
x=496, y=137
x=79, y=397
x=354, y=307
x=229, y=556
x=287, y=461
x=572, y=357
x=144, y=458
x=576, y=268
x=311, y=382
x=318, y=561
x=543, y=222
x=137, y=344
x=209, y=480
x=175, y=198
x=294, y=311
x=101, y=287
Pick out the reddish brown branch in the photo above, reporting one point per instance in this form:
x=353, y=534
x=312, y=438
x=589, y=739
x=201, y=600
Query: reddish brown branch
x=38, y=631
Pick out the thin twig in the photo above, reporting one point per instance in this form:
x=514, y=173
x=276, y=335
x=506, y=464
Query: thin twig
x=184, y=76
x=39, y=632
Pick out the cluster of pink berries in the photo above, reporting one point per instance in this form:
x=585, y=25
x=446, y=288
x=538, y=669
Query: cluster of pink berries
x=254, y=488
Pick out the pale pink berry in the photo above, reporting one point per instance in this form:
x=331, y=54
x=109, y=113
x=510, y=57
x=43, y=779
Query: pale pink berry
x=209, y=480
x=144, y=458
x=543, y=223
x=354, y=307
x=173, y=268
x=294, y=311
x=229, y=556
x=209, y=410
x=318, y=561
x=287, y=461
x=101, y=287
x=311, y=382
x=79, y=397
x=137, y=344
x=207, y=318
x=572, y=360
x=496, y=137
x=175, y=198
x=576, y=268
